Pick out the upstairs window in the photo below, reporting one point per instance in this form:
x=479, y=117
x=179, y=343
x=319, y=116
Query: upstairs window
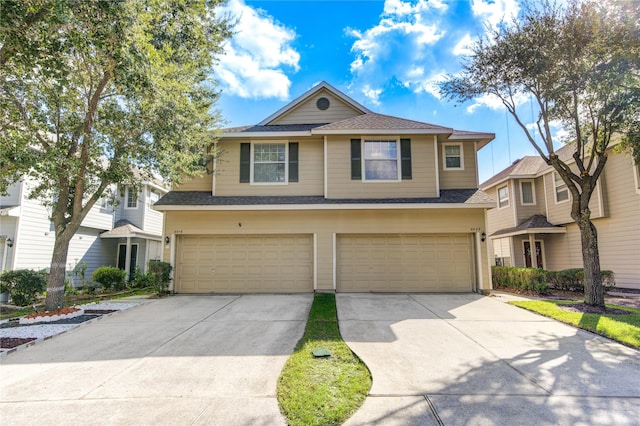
x=453, y=157
x=269, y=162
x=527, y=193
x=381, y=160
x=503, y=197
x=562, y=192
x=131, y=197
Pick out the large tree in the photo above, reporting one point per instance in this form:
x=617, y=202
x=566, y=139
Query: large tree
x=96, y=93
x=579, y=64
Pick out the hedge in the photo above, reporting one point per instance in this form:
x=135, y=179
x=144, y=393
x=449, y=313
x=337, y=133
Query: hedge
x=540, y=280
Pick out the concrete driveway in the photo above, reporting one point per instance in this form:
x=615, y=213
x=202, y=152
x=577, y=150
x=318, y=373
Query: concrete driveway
x=473, y=360
x=179, y=360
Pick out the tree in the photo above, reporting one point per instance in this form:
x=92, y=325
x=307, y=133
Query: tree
x=94, y=93
x=579, y=63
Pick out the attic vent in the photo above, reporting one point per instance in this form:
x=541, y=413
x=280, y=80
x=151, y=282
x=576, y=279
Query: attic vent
x=322, y=103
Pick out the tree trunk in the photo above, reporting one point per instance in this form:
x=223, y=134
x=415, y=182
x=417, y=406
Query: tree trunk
x=57, y=274
x=593, y=291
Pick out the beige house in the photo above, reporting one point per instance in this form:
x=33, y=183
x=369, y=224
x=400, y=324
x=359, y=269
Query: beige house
x=325, y=195
x=533, y=211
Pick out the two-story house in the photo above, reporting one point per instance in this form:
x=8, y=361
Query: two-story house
x=326, y=195
x=107, y=233
x=531, y=225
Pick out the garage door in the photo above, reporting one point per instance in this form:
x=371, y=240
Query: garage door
x=245, y=264
x=404, y=263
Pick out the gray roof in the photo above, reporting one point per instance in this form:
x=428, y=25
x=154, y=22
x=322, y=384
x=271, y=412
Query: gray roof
x=204, y=198
x=535, y=222
x=382, y=122
x=272, y=128
x=124, y=228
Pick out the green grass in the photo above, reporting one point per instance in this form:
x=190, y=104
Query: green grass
x=322, y=391
x=621, y=328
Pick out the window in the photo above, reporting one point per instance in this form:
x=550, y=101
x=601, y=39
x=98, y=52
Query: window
x=381, y=160
x=269, y=163
x=453, y=157
x=527, y=192
x=132, y=198
x=562, y=192
x=503, y=196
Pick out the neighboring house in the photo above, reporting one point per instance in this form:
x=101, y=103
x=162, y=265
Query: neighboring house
x=533, y=211
x=326, y=195
x=106, y=234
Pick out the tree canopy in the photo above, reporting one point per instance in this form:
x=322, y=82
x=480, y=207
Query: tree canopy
x=579, y=64
x=100, y=92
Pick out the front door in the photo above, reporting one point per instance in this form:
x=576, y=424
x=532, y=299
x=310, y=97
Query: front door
x=527, y=254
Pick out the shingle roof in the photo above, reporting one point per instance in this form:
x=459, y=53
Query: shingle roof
x=535, y=222
x=379, y=121
x=125, y=228
x=204, y=198
x=526, y=166
x=272, y=128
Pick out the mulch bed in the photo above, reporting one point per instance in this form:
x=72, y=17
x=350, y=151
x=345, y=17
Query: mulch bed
x=12, y=342
x=100, y=311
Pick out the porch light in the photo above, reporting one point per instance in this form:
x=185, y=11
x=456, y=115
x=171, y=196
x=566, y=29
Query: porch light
x=167, y=240
x=9, y=242
x=483, y=237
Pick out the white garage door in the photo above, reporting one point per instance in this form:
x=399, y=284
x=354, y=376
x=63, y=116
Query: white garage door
x=404, y=263
x=245, y=264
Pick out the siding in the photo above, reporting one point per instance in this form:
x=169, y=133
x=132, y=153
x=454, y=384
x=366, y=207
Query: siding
x=7, y=228
x=99, y=218
x=325, y=224
x=87, y=246
x=311, y=172
x=525, y=211
x=14, y=195
x=503, y=218
x=135, y=216
x=34, y=240
x=340, y=185
x=197, y=183
x=152, y=219
x=308, y=113
x=459, y=179
x=560, y=213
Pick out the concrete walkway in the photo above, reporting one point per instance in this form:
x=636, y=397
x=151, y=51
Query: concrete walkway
x=177, y=361
x=474, y=360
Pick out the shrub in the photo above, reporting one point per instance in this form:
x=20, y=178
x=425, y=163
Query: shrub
x=528, y=279
x=161, y=273
x=141, y=280
x=24, y=285
x=111, y=278
x=573, y=279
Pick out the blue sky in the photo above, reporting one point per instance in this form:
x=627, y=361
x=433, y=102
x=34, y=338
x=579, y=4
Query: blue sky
x=388, y=55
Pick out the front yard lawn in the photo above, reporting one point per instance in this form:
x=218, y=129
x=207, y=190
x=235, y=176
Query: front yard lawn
x=327, y=390
x=623, y=328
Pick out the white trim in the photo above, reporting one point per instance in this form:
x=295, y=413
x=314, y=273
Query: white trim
x=213, y=176
x=363, y=160
x=635, y=168
x=335, y=262
x=374, y=206
x=508, y=196
x=437, y=165
x=326, y=167
x=533, y=192
x=315, y=261
x=286, y=162
x=546, y=197
x=444, y=156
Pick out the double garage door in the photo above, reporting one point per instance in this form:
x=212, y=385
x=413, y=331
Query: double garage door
x=363, y=263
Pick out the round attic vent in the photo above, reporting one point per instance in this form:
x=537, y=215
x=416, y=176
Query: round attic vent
x=322, y=103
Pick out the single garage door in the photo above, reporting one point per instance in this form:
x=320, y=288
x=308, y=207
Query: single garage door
x=404, y=263
x=245, y=264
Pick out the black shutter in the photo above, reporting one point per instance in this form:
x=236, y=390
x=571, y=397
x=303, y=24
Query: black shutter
x=245, y=162
x=293, y=161
x=405, y=158
x=356, y=160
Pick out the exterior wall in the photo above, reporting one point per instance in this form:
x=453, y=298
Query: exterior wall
x=133, y=215
x=33, y=243
x=325, y=225
x=525, y=211
x=500, y=218
x=87, y=246
x=311, y=171
x=99, y=218
x=152, y=218
x=14, y=195
x=308, y=112
x=197, y=183
x=459, y=179
x=8, y=229
x=340, y=185
x=560, y=213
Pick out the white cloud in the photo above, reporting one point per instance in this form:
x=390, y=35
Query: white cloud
x=463, y=47
x=493, y=102
x=258, y=55
x=495, y=11
x=397, y=48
